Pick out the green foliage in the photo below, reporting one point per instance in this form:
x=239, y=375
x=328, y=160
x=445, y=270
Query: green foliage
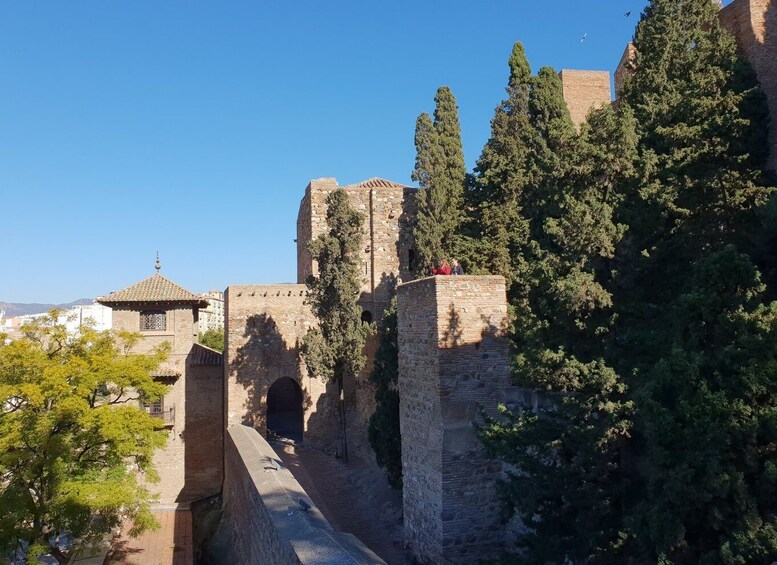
x=335, y=349
x=213, y=339
x=384, y=423
x=569, y=484
x=73, y=442
x=696, y=334
x=440, y=172
x=708, y=409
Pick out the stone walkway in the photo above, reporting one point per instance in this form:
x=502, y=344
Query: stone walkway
x=354, y=498
x=169, y=545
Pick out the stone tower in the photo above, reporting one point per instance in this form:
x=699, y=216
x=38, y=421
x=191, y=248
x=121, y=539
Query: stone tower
x=453, y=361
x=190, y=466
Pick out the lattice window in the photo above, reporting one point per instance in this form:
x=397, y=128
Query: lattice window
x=153, y=321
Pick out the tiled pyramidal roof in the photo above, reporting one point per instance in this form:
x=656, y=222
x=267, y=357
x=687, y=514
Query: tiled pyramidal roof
x=376, y=182
x=155, y=288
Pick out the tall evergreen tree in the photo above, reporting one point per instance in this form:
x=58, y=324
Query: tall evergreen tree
x=383, y=430
x=570, y=485
x=335, y=349
x=693, y=328
x=440, y=172
x=503, y=173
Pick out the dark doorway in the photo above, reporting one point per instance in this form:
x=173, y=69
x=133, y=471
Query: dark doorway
x=284, y=410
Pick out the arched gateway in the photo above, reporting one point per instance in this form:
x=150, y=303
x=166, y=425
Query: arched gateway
x=285, y=413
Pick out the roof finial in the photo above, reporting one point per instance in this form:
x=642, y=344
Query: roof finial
x=158, y=264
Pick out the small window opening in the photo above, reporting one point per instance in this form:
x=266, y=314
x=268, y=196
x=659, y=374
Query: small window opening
x=366, y=316
x=411, y=259
x=153, y=320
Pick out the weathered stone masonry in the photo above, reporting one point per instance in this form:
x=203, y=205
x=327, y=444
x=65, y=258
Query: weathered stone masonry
x=263, y=522
x=453, y=359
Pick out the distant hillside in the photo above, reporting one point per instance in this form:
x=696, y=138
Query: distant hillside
x=17, y=309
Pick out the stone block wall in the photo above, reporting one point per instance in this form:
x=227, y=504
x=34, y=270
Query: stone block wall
x=262, y=521
x=264, y=329
x=389, y=209
x=584, y=90
x=754, y=25
x=453, y=359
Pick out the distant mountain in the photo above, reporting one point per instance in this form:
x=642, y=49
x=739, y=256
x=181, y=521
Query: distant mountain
x=18, y=309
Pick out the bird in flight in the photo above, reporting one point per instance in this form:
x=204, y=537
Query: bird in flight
x=627, y=14
x=585, y=35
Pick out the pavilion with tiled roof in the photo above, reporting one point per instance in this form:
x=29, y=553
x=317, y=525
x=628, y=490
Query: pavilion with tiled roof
x=164, y=314
x=155, y=288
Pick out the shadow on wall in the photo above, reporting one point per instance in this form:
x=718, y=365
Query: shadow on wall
x=405, y=244
x=263, y=359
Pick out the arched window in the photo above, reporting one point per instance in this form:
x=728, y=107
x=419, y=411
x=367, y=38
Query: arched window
x=366, y=316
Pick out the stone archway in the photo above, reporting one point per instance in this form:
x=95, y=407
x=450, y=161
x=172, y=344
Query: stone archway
x=285, y=413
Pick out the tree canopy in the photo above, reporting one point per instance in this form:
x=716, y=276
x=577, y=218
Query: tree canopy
x=440, y=172
x=213, y=339
x=75, y=447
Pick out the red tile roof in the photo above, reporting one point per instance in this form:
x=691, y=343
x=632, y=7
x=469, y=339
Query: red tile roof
x=155, y=288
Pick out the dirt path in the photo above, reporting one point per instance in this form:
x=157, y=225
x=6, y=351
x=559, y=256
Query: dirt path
x=355, y=498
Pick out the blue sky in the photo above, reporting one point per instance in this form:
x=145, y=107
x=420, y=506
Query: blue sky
x=192, y=128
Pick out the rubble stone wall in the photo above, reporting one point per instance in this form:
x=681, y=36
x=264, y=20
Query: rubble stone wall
x=453, y=360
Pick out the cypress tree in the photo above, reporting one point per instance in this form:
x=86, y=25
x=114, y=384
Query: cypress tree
x=502, y=174
x=384, y=423
x=694, y=329
x=335, y=349
x=570, y=485
x=440, y=172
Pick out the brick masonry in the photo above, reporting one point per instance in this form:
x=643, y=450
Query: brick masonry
x=453, y=359
x=190, y=465
x=584, y=91
x=754, y=25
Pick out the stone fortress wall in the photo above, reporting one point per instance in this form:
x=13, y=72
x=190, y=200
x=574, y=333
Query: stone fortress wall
x=265, y=324
x=453, y=360
x=453, y=346
x=262, y=519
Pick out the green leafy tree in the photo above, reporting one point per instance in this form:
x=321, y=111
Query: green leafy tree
x=569, y=485
x=383, y=430
x=73, y=441
x=335, y=349
x=708, y=409
x=440, y=172
x=213, y=339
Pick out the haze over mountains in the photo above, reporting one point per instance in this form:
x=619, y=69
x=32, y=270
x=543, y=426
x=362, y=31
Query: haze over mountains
x=21, y=309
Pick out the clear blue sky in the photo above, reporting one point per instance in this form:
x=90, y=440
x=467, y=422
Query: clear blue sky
x=192, y=128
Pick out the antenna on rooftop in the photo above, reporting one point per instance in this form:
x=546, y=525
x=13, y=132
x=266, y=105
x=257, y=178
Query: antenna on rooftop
x=158, y=264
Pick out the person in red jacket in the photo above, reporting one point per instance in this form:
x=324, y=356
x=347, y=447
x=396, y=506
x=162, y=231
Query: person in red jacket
x=443, y=269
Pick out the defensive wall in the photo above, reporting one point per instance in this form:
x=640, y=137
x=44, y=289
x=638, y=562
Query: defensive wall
x=265, y=326
x=268, y=518
x=754, y=25
x=387, y=253
x=584, y=91
x=453, y=361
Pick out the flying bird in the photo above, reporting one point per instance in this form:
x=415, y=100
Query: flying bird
x=627, y=14
x=585, y=35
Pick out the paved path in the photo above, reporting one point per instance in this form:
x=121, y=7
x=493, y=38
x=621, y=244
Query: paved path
x=334, y=488
x=169, y=545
